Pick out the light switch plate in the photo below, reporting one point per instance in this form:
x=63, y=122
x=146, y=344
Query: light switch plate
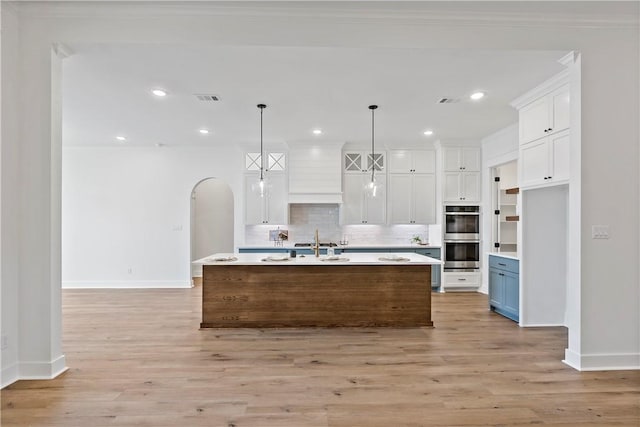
x=599, y=231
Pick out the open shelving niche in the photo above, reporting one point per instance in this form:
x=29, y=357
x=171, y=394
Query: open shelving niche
x=506, y=224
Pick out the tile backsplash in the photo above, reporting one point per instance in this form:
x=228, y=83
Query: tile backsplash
x=305, y=218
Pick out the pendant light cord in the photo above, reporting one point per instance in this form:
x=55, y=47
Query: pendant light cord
x=373, y=155
x=261, y=107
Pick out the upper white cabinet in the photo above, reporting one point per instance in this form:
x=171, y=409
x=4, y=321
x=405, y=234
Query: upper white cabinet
x=270, y=208
x=361, y=161
x=461, y=175
x=412, y=187
x=461, y=187
x=358, y=208
x=412, y=198
x=545, y=161
x=412, y=161
x=545, y=115
x=461, y=159
x=544, y=124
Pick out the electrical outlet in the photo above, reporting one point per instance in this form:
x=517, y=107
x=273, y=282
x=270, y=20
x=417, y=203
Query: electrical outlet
x=599, y=231
x=4, y=342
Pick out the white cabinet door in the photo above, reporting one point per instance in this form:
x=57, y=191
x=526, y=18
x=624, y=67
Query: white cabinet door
x=470, y=191
x=353, y=198
x=461, y=159
x=534, y=163
x=424, y=161
x=451, y=159
x=559, y=148
x=400, y=161
x=470, y=159
x=253, y=203
x=451, y=191
x=559, y=102
x=276, y=202
x=424, y=198
x=400, y=198
x=534, y=120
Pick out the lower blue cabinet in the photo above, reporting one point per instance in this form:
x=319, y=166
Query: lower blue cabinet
x=504, y=287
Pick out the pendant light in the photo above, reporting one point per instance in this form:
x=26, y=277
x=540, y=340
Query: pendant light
x=371, y=187
x=260, y=187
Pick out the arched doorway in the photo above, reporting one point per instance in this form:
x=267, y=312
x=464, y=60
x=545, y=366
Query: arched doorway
x=211, y=220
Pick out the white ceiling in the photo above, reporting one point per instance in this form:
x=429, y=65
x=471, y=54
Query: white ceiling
x=106, y=92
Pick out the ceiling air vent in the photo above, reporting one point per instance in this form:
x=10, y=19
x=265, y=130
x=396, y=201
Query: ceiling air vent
x=448, y=100
x=207, y=97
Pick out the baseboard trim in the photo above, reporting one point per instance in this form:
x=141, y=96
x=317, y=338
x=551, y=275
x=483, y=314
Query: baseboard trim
x=9, y=375
x=42, y=370
x=542, y=325
x=33, y=371
x=602, y=362
x=129, y=284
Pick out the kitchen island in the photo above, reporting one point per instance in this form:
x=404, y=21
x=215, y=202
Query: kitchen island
x=360, y=289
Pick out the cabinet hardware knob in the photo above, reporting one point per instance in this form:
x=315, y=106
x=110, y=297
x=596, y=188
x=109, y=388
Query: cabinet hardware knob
x=550, y=177
x=502, y=264
x=462, y=280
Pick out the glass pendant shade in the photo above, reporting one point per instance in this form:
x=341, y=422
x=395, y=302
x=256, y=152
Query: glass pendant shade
x=261, y=187
x=371, y=189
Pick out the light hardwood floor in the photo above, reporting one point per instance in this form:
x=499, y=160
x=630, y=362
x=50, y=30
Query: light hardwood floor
x=137, y=358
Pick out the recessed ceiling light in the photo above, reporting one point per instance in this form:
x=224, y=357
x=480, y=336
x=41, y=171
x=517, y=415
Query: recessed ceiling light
x=159, y=92
x=317, y=131
x=428, y=132
x=204, y=131
x=477, y=95
x=121, y=138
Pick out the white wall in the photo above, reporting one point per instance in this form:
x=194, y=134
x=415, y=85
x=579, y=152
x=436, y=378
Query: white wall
x=213, y=220
x=498, y=148
x=609, y=145
x=129, y=208
x=543, y=264
x=9, y=215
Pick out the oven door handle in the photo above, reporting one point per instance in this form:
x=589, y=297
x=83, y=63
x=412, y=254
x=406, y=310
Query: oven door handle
x=462, y=241
x=462, y=213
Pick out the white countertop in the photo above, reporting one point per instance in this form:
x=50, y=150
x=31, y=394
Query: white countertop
x=356, y=246
x=347, y=259
x=510, y=255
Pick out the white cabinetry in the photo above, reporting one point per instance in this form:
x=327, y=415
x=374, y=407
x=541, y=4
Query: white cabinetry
x=545, y=161
x=461, y=159
x=412, y=161
x=412, y=198
x=461, y=176
x=359, y=208
x=270, y=209
x=412, y=187
x=545, y=115
x=544, y=120
x=461, y=187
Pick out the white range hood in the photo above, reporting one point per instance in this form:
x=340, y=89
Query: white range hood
x=315, y=173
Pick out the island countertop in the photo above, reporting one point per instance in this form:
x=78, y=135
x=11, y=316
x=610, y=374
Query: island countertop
x=396, y=258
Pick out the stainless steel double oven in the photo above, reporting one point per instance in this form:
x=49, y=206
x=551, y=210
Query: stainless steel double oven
x=461, y=238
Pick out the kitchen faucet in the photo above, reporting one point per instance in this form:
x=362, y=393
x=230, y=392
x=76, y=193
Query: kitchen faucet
x=316, y=246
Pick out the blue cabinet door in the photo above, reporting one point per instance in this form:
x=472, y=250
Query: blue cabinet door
x=511, y=305
x=496, y=288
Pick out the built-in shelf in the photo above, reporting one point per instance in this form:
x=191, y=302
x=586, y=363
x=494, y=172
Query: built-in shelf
x=514, y=190
x=512, y=218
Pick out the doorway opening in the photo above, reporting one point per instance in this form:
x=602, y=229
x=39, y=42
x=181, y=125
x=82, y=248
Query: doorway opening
x=211, y=222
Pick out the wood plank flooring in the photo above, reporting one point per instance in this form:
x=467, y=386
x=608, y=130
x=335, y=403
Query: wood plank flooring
x=138, y=358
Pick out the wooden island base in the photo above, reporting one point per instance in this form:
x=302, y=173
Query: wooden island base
x=266, y=296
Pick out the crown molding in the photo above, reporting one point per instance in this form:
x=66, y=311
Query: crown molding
x=545, y=87
x=399, y=12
